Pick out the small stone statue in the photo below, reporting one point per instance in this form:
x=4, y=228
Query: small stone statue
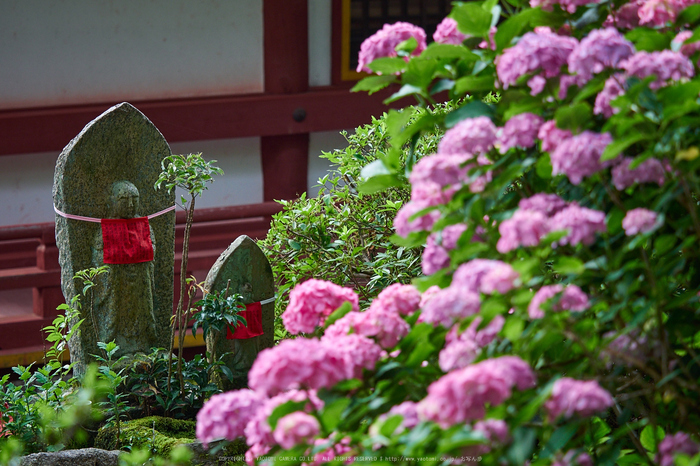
x=123, y=304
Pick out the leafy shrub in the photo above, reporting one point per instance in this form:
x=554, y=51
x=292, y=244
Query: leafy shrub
x=342, y=235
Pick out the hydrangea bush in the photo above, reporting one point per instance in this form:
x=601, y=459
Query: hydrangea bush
x=557, y=319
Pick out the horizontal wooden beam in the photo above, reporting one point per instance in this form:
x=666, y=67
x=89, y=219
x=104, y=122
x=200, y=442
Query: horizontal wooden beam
x=330, y=108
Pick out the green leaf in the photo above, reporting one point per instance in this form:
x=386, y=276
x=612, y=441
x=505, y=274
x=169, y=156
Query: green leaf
x=373, y=84
x=474, y=83
x=379, y=183
x=388, y=65
x=344, y=308
x=473, y=109
x=650, y=437
x=543, y=167
x=513, y=328
x=689, y=15
x=294, y=245
x=617, y=146
x=390, y=425
x=332, y=413
x=574, y=116
x=406, y=90
x=448, y=51
x=568, y=266
x=559, y=439
x=648, y=40
x=472, y=19
x=407, y=46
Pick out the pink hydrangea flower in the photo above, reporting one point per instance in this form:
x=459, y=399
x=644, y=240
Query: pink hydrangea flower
x=572, y=299
x=601, y=49
x=383, y=324
x=568, y=5
x=536, y=84
x=446, y=306
x=334, y=450
x=458, y=354
x=383, y=43
x=547, y=204
x=469, y=136
x=659, y=12
x=579, y=156
x=255, y=451
x=685, y=49
x=462, y=348
x=613, y=88
x=679, y=442
x=312, y=301
x=649, y=171
x=537, y=51
x=524, y=228
x=436, y=178
x=398, y=298
x=462, y=395
x=491, y=42
x=447, y=33
x=520, y=131
x=665, y=65
x=639, y=221
x=485, y=276
x=258, y=432
x=405, y=226
x=225, y=415
x=626, y=17
x=577, y=397
x=435, y=255
x=573, y=458
x=311, y=363
x=552, y=136
x=496, y=433
x=407, y=409
x=295, y=429
x=582, y=223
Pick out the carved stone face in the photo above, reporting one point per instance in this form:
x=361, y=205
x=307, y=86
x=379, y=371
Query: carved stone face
x=125, y=200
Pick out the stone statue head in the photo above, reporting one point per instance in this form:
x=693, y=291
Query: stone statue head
x=124, y=202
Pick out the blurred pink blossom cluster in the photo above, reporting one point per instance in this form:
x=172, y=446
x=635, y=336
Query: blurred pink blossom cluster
x=447, y=33
x=461, y=349
x=649, y=171
x=542, y=51
x=225, y=415
x=571, y=397
x=679, y=442
x=544, y=213
x=579, y=156
x=311, y=363
x=568, y=5
x=519, y=131
x=435, y=255
x=601, y=49
x=572, y=298
x=258, y=432
x=639, y=220
x=573, y=458
x=383, y=43
x=311, y=302
x=296, y=428
x=462, y=395
x=382, y=320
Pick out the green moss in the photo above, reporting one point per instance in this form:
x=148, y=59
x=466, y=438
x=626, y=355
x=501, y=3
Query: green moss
x=160, y=435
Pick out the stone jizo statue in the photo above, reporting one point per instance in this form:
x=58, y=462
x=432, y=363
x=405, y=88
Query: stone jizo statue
x=123, y=304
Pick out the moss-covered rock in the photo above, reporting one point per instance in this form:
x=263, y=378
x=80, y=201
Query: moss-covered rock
x=160, y=435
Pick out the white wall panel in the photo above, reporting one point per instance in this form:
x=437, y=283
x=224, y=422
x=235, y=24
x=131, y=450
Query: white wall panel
x=319, y=42
x=58, y=52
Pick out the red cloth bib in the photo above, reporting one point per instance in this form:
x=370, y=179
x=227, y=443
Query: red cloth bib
x=253, y=317
x=126, y=240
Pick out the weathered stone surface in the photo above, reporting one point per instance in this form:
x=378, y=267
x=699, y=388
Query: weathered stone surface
x=82, y=457
x=121, y=145
x=244, y=268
